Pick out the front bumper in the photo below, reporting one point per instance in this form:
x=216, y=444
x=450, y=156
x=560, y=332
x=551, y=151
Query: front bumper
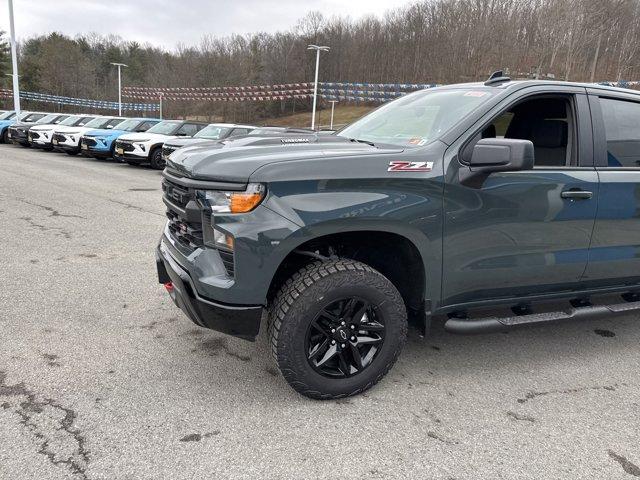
x=40, y=139
x=94, y=148
x=66, y=143
x=18, y=137
x=241, y=321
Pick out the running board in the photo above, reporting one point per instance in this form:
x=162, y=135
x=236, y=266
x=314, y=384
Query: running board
x=468, y=326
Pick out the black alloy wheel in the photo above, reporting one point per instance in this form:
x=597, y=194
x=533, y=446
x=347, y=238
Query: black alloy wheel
x=345, y=337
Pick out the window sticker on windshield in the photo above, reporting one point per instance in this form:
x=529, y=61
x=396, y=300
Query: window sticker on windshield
x=475, y=94
x=417, y=141
x=401, y=166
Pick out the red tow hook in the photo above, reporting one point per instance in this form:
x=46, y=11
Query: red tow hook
x=169, y=287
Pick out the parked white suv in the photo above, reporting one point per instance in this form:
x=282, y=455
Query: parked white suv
x=67, y=138
x=41, y=136
x=138, y=148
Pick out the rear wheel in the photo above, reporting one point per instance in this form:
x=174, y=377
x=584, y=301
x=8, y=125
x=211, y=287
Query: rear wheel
x=336, y=328
x=5, y=136
x=71, y=152
x=156, y=159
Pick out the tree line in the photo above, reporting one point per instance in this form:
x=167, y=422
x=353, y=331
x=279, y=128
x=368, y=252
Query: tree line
x=441, y=41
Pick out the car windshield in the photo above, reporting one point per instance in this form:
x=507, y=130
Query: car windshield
x=48, y=118
x=34, y=117
x=164, y=128
x=127, y=125
x=99, y=122
x=212, y=132
x=70, y=120
x=418, y=118
x=7, y=115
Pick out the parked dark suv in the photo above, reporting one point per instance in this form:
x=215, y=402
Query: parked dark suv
x=519, y=196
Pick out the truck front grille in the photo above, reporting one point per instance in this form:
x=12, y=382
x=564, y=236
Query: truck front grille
x=58, y=137
x=185, y=222
x=33, y=135
x=188, y=234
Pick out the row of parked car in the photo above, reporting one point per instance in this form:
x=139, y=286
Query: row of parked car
x=136, y=141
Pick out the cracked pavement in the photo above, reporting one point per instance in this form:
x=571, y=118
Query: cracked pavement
x=101, y=377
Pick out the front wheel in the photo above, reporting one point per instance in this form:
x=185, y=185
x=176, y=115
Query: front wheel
x=4, y=138
x=336, y=328
x=156, y=159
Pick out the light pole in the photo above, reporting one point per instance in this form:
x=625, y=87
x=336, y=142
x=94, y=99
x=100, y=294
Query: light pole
x=317, y=48
x=160, y=95
x=14, y=62
x=333, y=106
x=119, y=65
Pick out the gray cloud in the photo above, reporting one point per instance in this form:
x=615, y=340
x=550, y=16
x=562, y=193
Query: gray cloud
x=169, y=22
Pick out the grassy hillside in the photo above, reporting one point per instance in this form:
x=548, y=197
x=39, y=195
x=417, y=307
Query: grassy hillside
x=343, y=114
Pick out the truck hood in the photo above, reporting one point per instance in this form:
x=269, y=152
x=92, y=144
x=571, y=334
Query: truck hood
x=150, y=137
x=235, y=161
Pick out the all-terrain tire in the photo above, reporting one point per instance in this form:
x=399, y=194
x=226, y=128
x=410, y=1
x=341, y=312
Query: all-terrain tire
x=305, y=294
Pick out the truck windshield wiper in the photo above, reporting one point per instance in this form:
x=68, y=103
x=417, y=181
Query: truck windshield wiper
x=362, y=141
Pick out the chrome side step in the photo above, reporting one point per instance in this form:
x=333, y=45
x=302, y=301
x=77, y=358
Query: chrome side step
x=497, y=324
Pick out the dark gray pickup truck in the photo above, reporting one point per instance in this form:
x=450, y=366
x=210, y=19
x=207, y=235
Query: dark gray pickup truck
x=491, y=205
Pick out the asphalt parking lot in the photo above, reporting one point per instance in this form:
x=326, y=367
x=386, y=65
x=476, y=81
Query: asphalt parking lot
x=101, y=377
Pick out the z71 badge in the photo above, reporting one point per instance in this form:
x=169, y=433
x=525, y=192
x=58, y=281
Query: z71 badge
x=399, y=166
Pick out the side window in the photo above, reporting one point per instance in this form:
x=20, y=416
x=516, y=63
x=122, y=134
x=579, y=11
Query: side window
x=144, y=126
x=547, y=121
x=188, y=129
x=622, y=132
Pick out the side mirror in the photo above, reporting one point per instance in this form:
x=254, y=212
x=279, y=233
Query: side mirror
x=496, y=155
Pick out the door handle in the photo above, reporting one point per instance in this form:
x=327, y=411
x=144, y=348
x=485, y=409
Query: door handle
x=576, y=194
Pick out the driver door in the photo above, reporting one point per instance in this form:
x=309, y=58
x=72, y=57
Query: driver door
x=520, y=233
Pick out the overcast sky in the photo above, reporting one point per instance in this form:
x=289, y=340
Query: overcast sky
x=169, y=22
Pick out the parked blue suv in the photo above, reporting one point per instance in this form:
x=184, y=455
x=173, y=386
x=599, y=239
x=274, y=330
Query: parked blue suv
x=101, y=143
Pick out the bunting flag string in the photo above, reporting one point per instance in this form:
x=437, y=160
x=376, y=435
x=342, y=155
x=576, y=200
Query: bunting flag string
x=80, y=102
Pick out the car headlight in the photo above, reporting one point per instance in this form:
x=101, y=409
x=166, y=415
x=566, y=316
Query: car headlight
x=233, y=202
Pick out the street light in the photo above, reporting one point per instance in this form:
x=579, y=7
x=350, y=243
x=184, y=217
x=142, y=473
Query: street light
x=119, y=65
x=317, y=48
x=14, y=62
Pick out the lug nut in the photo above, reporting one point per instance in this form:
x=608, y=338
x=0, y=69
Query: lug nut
x=353, y=339
x=343, y=323
x=353, y=327
x=333, y=330
x=342, y=345
x=333, y=342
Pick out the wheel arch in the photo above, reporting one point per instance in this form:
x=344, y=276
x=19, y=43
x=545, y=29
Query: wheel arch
x=400, y=253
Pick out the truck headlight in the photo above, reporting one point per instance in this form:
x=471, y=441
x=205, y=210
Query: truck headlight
x=233, y=202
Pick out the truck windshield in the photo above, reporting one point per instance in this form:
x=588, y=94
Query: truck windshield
x=418, y=118
x=212, y=132
x=164, y=128
x=7, y=115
